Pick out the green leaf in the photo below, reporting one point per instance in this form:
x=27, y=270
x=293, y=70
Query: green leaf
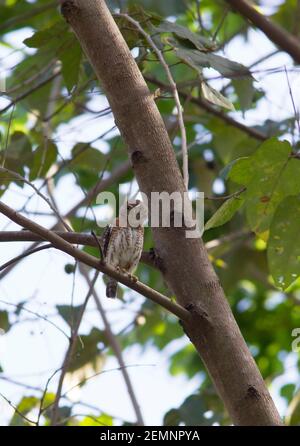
x=199, y=42
x=190, y=413
x=18, y=155
x=231, y=143
x=88, y=353
x=199, y=60
x=212, y=95
x=46, y=36
x=69, y=313
x=287, y=391
x=284, y=243
x=103, y=420
x=4, y=321
x=43, y=158
x=241, y=171
x=275, y=176
x=27, y=404
x=71, y=58
x=245, y=91
x=87, y=157
x=225, y=212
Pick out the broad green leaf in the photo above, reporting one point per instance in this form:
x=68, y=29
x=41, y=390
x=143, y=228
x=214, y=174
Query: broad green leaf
x=199, y=42
x=70, y=57
x=231, y=143
x=275, y=176
x=284, y=243
x=199, y=60
x=69, y=314
x=88, y=353
x=287, y=391
x=43, y=158
x=47, y=36
x=18, y=154
x=27, y=404
x=86, y=157
x=102, y=420
x=212, y=95
x=225, y=212
x=241, y=171
x=4, y=321
x=190, y=413
x=245, y=91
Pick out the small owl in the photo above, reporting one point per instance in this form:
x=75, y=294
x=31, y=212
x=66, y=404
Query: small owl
x=123, y=245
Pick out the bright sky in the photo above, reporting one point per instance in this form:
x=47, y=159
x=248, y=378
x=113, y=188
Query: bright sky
x=33, y=349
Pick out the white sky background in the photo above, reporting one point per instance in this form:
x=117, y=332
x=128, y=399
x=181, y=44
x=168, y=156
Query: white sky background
x=31, y=351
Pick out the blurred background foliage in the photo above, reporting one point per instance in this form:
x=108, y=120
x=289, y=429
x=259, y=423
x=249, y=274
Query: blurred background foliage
x=52, y=84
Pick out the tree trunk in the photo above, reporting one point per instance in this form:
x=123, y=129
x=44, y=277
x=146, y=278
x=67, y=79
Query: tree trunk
x=187, y=269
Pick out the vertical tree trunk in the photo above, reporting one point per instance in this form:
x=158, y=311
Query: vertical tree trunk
x=187, y=269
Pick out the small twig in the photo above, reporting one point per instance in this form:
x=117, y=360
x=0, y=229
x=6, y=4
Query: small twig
x=29, y=92
x=39, y=193
x=25, y=254
x=221, y=23
x=98, y=244
x=296, y=112
x=35, y=314
x=115, y=346
x=70, y=351
x=17, y=410
x=173, y=87
x=199, y=16
x=227, y=197
x=7, y=136
x=44, y=395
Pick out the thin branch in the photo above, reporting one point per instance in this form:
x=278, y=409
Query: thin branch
x=17, y=410
x=25, y=254
x=35, y=314
x=61, y=244
x=219, y=26
x=296, y=112
x=29, y=92
x=199, y=16
x=276, y=34
x=212, y=110
x=116, y=348
x=71, y=351
x=38, y=192
x=7, y=136
x=173, y=88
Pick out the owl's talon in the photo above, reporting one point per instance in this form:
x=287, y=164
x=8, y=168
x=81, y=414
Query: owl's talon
x=133, y=278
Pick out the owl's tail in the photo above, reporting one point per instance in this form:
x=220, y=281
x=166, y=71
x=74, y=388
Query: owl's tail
x=111, y=288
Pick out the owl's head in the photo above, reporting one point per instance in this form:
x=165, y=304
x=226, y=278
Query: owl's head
x=134, y=213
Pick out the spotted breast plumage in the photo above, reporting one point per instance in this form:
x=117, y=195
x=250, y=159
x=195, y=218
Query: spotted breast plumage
x=123, y=244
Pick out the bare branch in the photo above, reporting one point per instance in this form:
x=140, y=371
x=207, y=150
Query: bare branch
x=276, y=34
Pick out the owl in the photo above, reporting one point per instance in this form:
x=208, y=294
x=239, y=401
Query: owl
x=123, y=243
